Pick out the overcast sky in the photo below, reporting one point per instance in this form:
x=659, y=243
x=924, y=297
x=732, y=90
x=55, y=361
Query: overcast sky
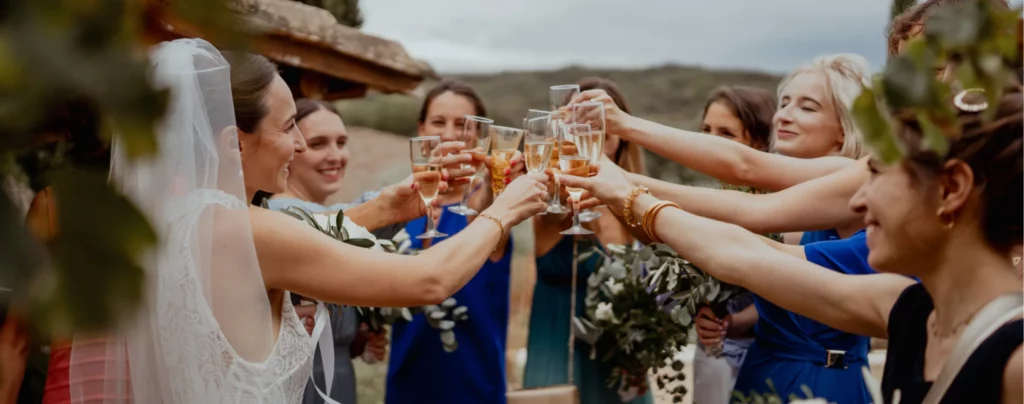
x=490, y=35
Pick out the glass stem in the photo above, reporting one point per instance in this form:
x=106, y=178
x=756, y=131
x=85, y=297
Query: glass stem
x=430, y=216
x=467, y=192
x=557, y=200
x=575, y=212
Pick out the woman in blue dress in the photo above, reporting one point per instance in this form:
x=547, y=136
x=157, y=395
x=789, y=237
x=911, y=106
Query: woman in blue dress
x=547, y=351
x=420, y=371
x=813, y=135
x=743, y=115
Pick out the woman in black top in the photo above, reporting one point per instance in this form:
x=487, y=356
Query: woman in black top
x=949, y=221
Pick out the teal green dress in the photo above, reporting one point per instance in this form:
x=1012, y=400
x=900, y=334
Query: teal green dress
x=547, y=352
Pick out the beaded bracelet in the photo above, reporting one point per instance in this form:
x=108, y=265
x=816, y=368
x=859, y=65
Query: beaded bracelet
x=627, y=210
x=651, y=214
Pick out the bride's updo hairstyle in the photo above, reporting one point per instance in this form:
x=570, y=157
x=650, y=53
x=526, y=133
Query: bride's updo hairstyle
x=251, y=76
x=994, y=153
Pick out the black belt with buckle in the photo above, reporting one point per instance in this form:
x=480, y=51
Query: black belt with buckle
x=835, y=359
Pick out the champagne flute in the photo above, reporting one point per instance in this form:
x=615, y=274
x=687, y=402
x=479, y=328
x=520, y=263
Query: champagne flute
x=476, y=135
x=555, y=202
x=591, y=113
x=539, y=144
x=574, y=159
x=504, y=143
x=561, y=96
x=426, y=173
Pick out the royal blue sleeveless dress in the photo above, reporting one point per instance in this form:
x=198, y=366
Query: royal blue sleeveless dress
x=791, y=351
x=421, y=372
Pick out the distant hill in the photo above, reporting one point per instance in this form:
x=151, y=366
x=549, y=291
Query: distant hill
x=673, y=95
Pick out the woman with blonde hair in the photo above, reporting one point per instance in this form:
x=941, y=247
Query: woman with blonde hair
x=814, y=135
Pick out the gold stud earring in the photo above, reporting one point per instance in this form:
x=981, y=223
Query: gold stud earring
x=950, y=223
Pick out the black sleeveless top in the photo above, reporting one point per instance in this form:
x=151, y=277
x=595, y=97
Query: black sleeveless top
x=980, y=381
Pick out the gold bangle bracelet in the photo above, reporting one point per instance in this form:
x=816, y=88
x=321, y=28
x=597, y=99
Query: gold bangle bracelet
x=645, y=225
x=627, y=210
x=501, y=227
x=651, y=215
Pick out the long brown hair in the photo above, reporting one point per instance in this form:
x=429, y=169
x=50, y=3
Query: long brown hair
x=456, y=87
x=754, y=107
x=629, y=156
x=251, y=76
x=307, y=106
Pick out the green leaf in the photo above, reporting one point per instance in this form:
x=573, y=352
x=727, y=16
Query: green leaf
x=934, y=138
x=956, y=25
x=102, y=238
x=305, y=216
x=909, y=79
x=875, y=127
x=360, y=242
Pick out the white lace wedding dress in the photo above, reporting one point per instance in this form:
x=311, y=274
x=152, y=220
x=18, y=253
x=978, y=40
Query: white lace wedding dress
x=222, y=373
x=204, y=331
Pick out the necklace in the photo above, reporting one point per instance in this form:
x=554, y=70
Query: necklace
x=956, y=329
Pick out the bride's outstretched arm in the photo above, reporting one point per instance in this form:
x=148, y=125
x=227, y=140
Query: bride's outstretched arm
x=855, y=303
x=295, y=257
x=724, y=159
x=822, y=203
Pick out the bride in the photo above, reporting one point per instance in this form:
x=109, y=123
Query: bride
x=217, y=325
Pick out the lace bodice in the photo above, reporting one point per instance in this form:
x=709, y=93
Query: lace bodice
x=202, y=365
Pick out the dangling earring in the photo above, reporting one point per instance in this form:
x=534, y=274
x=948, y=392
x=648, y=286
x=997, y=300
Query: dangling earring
x=950, y=223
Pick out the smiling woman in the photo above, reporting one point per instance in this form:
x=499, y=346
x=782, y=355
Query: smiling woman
x=318, y=172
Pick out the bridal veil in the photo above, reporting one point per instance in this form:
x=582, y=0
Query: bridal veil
x=204, y=296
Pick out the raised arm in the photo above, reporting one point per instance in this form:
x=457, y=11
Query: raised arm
x=726, y=160
x=296, y=257
x=855, y=303
x=822, y=203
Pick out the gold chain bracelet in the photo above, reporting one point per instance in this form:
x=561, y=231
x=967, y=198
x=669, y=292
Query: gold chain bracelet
x=500, y=227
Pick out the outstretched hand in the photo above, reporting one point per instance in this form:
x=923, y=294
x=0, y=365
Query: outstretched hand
x=615, y=118
x=610, y=186
x=403, y=200
x=525, y=197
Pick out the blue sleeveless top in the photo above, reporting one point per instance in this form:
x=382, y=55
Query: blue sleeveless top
x=790, y=350
x=420, y=371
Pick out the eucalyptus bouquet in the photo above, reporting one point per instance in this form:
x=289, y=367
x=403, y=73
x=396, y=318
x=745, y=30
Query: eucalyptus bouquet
x=335, y=225
x=639, y=308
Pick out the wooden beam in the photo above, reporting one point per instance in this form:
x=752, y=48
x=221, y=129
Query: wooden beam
x=332, y=63
x=287, y=51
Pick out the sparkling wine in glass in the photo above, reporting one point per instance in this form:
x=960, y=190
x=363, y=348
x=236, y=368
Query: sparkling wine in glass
x=476, y=135
x=504, y=143
x=540, y=142
x=574, y=159
x=426, y=173
x=555, y=202
x=591, y=113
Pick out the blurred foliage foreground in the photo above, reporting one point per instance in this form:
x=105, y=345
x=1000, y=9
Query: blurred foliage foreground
x=71, y=73
x=74, y=71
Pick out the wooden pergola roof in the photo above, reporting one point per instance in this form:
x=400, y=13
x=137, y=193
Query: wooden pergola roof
x=319, y=57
